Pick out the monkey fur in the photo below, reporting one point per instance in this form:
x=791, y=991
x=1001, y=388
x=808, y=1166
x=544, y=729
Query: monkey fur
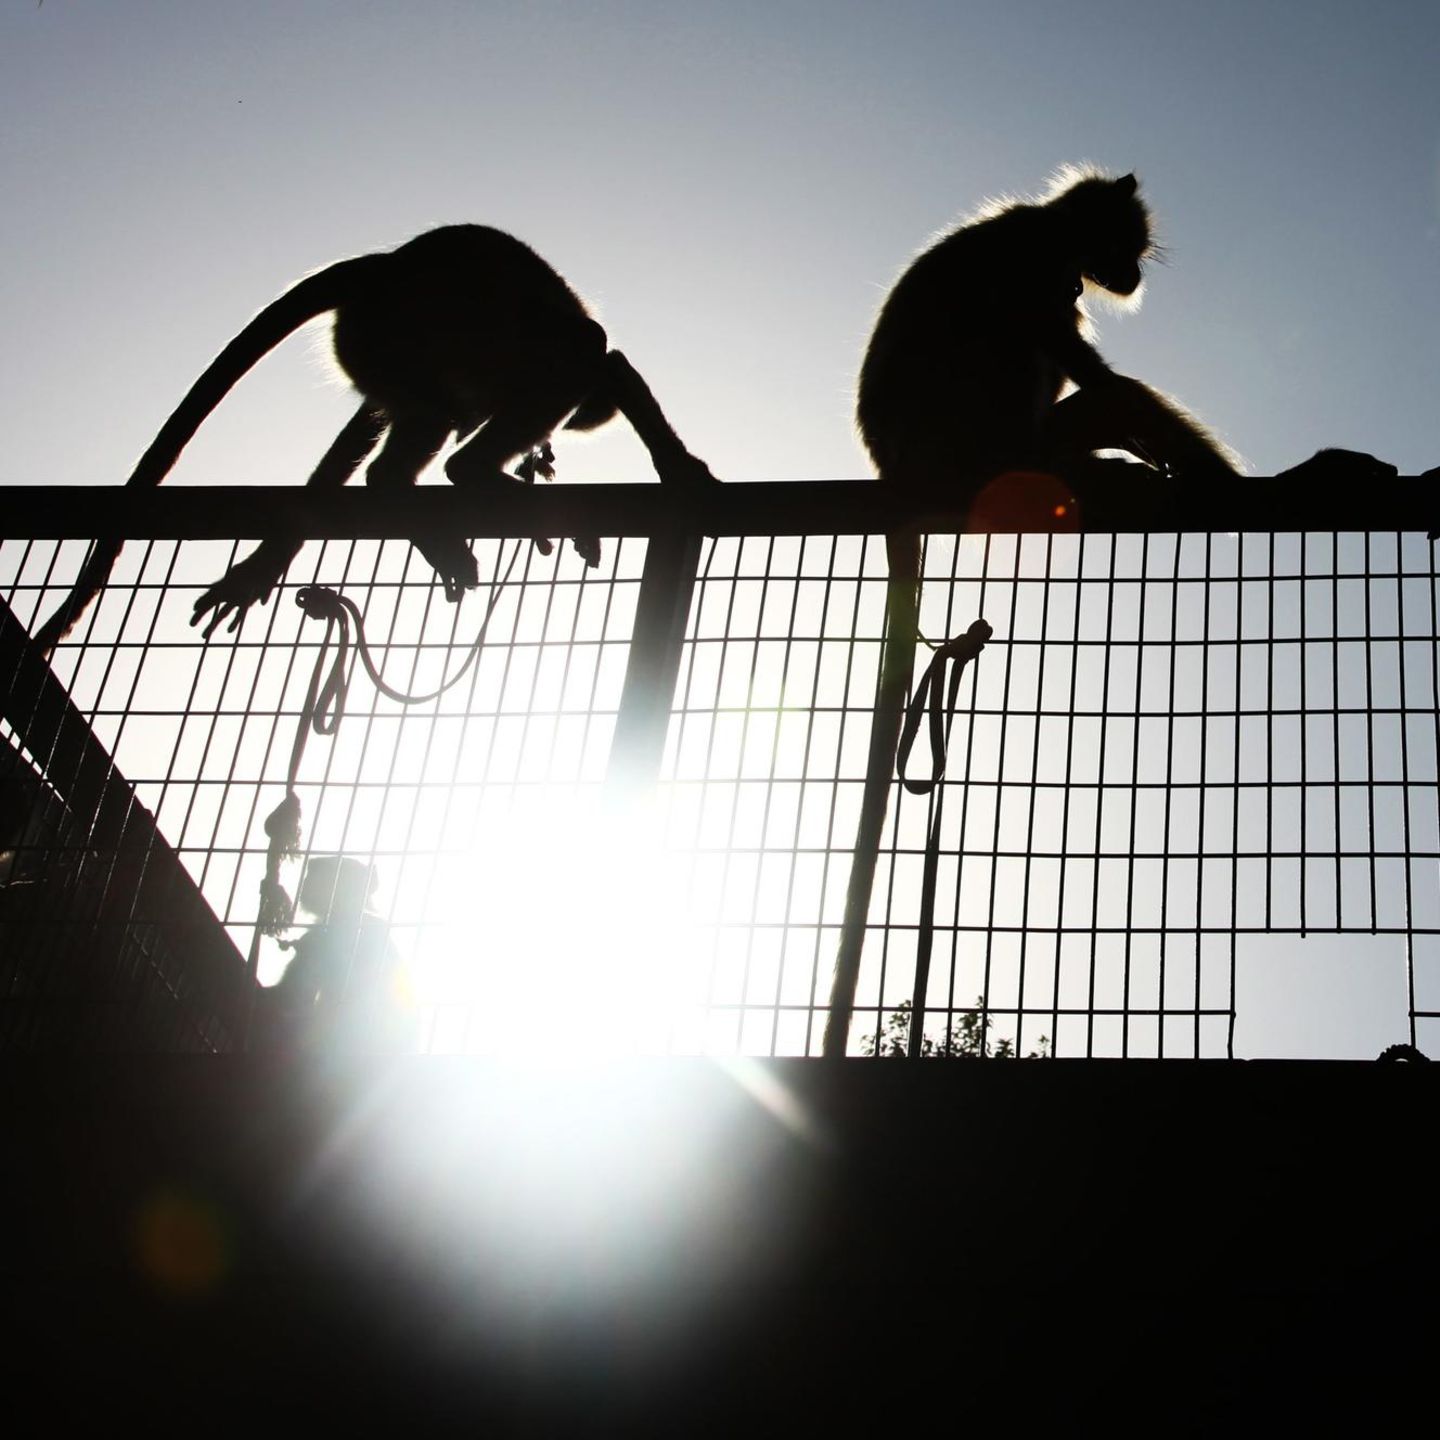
x=974, y=345
x=963, y=380
x=462, y=331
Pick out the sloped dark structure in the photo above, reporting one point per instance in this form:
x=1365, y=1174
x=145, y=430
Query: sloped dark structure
x=107, y=943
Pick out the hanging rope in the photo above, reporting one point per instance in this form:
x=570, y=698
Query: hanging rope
x=321, y=714
x=936, y=697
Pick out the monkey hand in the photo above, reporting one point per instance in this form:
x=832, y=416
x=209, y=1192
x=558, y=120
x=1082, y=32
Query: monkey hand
x=685, y=471
x=248, y=580
x=1339, y=467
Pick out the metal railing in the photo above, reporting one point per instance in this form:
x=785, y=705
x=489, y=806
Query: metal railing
x=1197, y=732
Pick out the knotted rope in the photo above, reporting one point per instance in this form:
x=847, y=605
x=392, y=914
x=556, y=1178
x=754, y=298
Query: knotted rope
x=321, y=714
x=935, y=696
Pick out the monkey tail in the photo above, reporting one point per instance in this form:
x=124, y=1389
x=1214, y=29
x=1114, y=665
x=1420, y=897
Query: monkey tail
x=325, y=290
x=902, y=622
x=93, y=575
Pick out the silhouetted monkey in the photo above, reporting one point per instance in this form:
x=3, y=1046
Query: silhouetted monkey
x=962, y=384
x=975, y=343
x=464, y=330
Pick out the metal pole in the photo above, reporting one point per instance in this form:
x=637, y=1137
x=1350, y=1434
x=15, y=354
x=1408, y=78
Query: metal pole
x=901, y=625
x=661, y=615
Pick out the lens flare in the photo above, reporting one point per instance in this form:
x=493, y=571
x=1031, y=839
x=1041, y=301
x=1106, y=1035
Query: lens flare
x=181, y=1243
x=568, y=936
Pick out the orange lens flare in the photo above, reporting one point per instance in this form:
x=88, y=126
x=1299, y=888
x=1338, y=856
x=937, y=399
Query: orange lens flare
x=181, y=1243
x=1022, y=501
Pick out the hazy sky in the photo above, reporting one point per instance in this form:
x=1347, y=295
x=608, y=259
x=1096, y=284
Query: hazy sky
x=732, y=186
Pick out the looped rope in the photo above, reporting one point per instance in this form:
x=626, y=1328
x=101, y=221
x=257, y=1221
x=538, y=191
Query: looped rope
x=326, y=704
x=325, y=699
x=321, y=714
x=936, y=697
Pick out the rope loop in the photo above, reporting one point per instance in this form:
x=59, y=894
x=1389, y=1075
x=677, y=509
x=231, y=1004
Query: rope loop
x=937, y=697
x=322, y=713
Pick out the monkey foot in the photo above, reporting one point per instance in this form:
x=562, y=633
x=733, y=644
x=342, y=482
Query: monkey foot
x=468, y=474
x=450, y=558
x=587, y=547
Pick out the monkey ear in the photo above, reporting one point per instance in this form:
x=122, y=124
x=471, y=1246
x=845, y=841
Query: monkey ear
x=1128, y=184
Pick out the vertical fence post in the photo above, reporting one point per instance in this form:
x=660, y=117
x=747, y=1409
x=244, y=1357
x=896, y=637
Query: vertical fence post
x=902, y=616
x=662, y=612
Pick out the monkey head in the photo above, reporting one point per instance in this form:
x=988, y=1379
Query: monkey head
x=1106, y=228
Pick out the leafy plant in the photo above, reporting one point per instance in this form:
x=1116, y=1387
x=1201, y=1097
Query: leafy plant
x=969, y=1036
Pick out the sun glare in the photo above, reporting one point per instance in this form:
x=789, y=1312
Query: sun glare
x=566, y=936
x=516, y=1190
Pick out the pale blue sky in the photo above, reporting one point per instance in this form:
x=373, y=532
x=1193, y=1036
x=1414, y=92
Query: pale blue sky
x=733, y=186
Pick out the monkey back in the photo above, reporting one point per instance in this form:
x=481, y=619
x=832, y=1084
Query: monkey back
x=450, y=312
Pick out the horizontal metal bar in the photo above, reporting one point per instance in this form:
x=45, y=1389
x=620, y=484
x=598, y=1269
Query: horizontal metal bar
x=803, y=507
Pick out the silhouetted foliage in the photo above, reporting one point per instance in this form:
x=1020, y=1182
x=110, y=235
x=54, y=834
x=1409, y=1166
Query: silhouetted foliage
x=969, y=1037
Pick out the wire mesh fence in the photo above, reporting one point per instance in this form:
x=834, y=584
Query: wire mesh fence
x=1177, y=752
